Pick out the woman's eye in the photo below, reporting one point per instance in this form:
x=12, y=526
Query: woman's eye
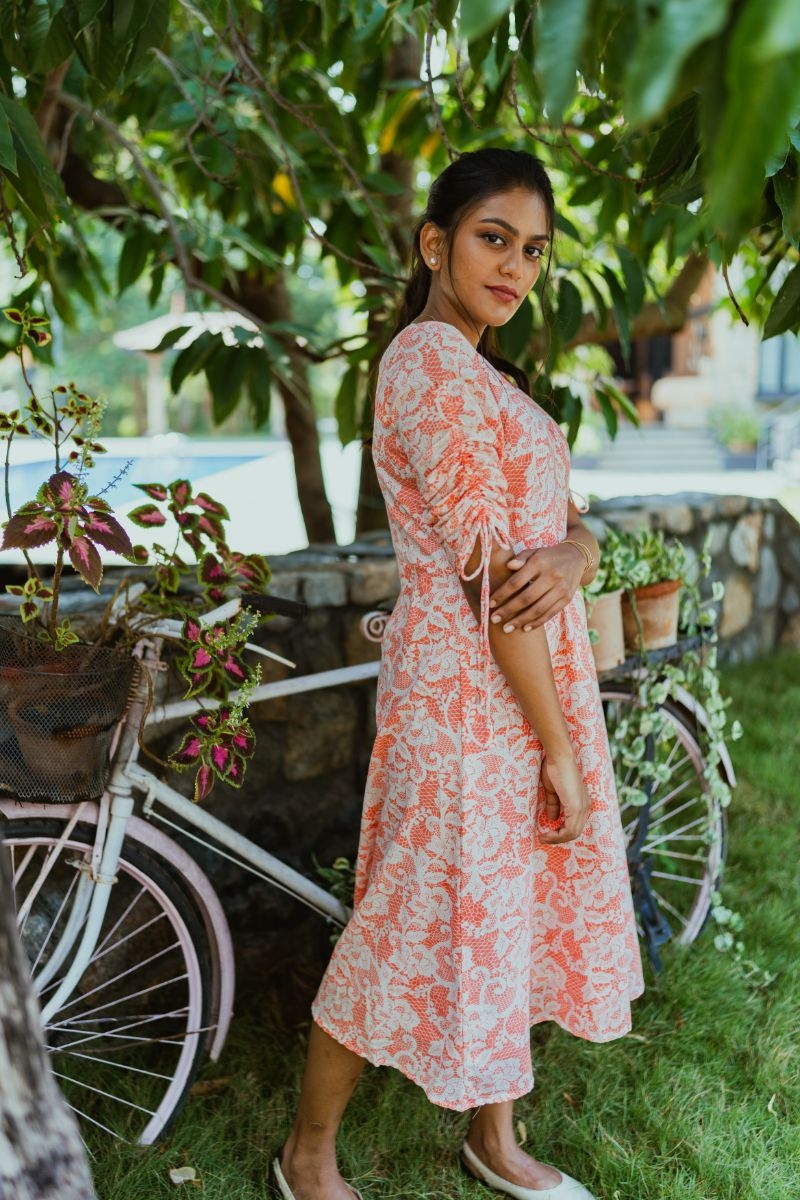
x=535, y=252
x=498, y=240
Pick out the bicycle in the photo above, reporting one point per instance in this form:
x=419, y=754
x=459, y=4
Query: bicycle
x=129, y=948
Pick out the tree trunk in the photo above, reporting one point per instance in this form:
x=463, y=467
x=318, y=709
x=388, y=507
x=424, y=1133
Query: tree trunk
x=273, y=303
x=41, y=1156
x=405, y=60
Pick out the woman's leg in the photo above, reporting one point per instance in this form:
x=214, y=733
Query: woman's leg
x=491, y=1137
x=309, y=1156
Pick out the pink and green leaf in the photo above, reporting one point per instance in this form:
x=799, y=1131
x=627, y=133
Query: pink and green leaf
x=86, y=561
x=147, y=516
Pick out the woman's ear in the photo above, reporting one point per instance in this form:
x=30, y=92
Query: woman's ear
x=431, y=244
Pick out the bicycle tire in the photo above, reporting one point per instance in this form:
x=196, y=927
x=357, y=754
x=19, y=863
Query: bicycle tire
x=686, y=841
x=152, y=954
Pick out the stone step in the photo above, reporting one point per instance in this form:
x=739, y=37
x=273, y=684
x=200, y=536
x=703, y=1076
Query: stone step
x=656, y=449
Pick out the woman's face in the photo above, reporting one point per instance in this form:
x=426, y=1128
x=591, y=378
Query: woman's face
x=495, y=259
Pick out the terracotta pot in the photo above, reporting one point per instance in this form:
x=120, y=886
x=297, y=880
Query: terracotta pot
x=604, y=614
x=657, y=606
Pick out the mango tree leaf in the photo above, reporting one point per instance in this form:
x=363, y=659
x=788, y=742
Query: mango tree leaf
x=133, y=258
x=785, y=312
x=516, y=333
x=606, y=406
x=564, y=225
x=561, y=27
x=634, y=278
x=570, y=310
x=787, y=195
x=347, y=415
x=226, y=372
x=479, y=16
x=8, y=157
x=193, y=358
x=621, y=314
x=259, y=386
x=32, y=153
x=762, y=99
x=666, y=43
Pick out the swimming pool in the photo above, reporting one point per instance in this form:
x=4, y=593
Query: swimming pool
x=26, y=478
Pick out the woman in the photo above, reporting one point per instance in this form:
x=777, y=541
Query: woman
x=492, y=888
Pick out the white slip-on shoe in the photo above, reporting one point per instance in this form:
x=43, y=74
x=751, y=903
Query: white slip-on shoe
x=568, y=1189
x=283, y=1187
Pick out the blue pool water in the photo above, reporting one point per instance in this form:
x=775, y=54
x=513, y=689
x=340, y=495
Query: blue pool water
x=26, y=478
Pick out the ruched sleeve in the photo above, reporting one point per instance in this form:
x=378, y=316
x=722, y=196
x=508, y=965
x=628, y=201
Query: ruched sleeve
x=451, y=430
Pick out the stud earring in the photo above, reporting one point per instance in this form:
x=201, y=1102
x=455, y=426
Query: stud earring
x=433, y=259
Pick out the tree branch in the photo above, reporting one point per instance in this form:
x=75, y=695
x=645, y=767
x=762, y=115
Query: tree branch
x=657, y=317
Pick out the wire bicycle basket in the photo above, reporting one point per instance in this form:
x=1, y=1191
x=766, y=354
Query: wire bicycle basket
x=58, y=713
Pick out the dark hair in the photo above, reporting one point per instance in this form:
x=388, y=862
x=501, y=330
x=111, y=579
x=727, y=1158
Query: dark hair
x=467, y=182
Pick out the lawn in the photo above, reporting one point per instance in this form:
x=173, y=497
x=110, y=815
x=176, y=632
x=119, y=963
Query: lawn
x=701, y=1102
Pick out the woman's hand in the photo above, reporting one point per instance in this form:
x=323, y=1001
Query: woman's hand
x=544, y=582
x=567, y=802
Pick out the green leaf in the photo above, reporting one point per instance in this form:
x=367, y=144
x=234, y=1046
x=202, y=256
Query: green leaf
x=634, y=278
x=762, y=100
x=226, y=371
x=259, y=386
x=786, y=187
x=661, y=50
x=606, y=406
x=561, y=26
x=479, y=16
x=565, y=226
x=193, y=358
x=8, y=156
x=516, y=333
x=133, y=258
x=34, y=167
x=570, y=310
x=620, y=305
x=346, y=406
x=600, y=302
x=785, y=312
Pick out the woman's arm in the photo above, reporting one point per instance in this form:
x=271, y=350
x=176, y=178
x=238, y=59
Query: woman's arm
x=542, y=582
x=525, y=662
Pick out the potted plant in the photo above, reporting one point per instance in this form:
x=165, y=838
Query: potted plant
x=652, y=568
x=738, y=429
x=603, y=598
x=60, y=697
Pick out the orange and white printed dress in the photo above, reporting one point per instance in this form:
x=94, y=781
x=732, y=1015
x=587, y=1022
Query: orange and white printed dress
x=466, y=929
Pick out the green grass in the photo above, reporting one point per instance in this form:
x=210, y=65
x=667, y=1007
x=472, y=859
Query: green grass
x=702, y=1102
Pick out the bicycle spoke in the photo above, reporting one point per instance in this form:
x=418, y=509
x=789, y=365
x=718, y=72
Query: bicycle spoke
x=118, y=1066
x=692, y=879
x=100, y=987
x=131, y=996
x=73, y=885
x=88, y=1087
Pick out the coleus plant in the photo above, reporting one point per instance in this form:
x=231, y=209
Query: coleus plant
x=80, y=524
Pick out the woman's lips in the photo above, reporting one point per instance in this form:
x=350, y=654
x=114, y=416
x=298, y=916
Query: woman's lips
x=503, y=293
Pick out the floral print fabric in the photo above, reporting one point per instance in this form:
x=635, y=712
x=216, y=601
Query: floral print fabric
x=466, y=929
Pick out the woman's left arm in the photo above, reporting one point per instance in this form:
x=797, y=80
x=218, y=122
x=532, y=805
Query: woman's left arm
x=545, y=580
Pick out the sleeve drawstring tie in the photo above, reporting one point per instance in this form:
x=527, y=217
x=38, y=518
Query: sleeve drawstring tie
x=488, y=533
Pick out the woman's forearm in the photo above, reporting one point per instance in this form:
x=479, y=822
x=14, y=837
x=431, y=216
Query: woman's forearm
x=524, y=659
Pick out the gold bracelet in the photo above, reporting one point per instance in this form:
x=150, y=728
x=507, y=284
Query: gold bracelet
x=585, y=551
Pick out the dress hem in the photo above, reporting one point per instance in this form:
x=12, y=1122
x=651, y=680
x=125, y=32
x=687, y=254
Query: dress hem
x=465, y=1106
